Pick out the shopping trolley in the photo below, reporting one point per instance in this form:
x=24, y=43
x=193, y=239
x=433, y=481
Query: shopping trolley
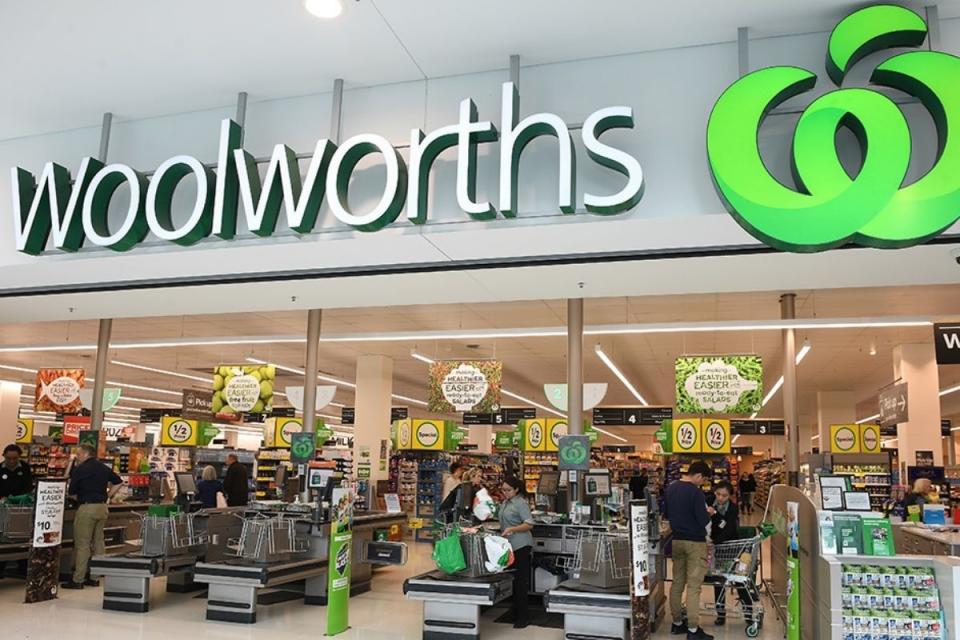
x=732, y=567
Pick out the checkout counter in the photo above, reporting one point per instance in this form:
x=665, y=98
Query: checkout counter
x=593, y=596
x=915, y=539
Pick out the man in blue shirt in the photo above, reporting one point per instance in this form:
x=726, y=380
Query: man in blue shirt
x=686, y=509
x=88, y=483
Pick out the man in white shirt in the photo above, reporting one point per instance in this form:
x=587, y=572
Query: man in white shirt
x=452, y=481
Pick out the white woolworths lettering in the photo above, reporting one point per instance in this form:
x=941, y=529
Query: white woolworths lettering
x=49, y=206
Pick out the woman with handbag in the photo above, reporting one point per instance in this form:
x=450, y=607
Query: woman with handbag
x=516, y=524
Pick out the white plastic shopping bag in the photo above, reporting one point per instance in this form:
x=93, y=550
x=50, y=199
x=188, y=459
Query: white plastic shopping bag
x=499, y=553
x=483, y=505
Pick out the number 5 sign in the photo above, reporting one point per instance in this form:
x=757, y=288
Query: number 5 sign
x=177, y=432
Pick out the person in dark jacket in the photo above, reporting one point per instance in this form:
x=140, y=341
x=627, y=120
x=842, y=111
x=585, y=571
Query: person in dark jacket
x=236, y=485
x=638, y=485
x=16, y=478
x=685, y=507
x=208, y=487
x=724, y=524
x=748, y=486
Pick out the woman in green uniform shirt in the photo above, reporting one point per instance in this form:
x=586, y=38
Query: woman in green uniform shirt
x=516, y=524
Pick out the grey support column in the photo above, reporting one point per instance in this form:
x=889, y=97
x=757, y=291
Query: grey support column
x=791, y=412
x=575, y=365
x=106, y=325
x=310, y=371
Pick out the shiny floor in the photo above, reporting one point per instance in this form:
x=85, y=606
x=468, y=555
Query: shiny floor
x=380, y=614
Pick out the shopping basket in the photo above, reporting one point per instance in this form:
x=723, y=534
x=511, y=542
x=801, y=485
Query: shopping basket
x=732, y=567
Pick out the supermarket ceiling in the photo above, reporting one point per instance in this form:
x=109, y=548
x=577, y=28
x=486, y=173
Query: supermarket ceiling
x=858, y=358
x=76, y=60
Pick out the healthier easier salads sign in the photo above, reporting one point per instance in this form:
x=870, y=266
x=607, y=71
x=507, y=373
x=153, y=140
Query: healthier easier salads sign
x=719, y=384
x=74, y=210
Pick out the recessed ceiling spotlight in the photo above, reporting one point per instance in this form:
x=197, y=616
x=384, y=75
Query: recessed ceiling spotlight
x=873, y=348
x=325, y=9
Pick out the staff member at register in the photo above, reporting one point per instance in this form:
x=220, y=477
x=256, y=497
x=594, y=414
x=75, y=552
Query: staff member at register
x=15, y=476
x=236, y=484
x=88, y=484
x=516, y=524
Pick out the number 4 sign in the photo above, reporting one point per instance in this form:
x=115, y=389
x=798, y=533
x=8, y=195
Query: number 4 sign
x=177, y=432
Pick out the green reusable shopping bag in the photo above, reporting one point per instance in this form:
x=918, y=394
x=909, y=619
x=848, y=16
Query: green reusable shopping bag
x=448, y=554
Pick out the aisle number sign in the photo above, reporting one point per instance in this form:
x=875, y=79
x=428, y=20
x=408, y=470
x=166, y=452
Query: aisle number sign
x=177, y=432
x=716, y=436
x=24, y=431
x=687, y=436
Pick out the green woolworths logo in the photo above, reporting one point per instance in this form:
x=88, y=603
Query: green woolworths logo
x=873, y=208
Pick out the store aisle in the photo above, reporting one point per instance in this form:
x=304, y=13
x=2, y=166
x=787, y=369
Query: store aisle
x=378, y=615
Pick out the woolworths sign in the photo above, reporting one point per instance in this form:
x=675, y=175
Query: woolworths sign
x=72, y=211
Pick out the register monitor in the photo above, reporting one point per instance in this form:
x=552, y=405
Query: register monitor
x=548, y=484
x=186, y=483
x=596, y=484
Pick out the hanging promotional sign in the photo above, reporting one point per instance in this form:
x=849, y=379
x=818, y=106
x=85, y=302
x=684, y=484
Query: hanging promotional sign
x=341, y=555
x=72, y=425
x=282, y=430
x=24, y=434
x=877, y=206
x=870, y=438
x=427, y=435
x=533, y=434
x=719, y=384
x=457, y=386
x=557, y=428
x=503, y=440
x=242, y=388
x=58, y=391
x=177, y=432
x=111, y=396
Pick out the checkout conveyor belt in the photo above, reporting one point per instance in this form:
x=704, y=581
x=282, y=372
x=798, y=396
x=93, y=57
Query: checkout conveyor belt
x=126, y=579
x=590, y=612
x=451, y=604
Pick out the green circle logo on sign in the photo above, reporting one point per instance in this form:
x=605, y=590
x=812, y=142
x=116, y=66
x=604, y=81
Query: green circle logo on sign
x=830, y=207
x=574, y=454
x=302, y=449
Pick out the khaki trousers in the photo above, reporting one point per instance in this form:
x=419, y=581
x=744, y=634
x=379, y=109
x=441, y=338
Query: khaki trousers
x=689, y=568
x=87, y=537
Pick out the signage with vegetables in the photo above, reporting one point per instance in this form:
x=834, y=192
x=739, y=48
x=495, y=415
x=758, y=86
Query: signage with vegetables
x=456, y=386
x=719, y=384
x=239, y=389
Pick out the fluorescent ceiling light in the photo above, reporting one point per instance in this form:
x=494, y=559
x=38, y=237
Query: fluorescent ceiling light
x=808, y=324
x=816, y=437
x=949, y=390
x=326, y=9
x=868, y=418
x=420, y=357
x=326, y=378
x=801, y=354
x=610, y=365
x=735, y=438
x=163, y=371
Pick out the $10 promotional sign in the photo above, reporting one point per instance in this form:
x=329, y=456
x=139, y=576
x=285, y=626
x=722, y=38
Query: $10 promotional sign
x=830, y=207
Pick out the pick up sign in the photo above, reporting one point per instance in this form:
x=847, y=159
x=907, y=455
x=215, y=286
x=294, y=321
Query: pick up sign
x=946, y=337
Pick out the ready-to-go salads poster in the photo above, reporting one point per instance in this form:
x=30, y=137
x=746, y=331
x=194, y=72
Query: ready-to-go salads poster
x=730, y=384
x=456, y=386
x=242, y=388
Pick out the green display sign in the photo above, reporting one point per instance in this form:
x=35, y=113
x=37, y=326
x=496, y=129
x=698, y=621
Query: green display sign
x=303, y=446
x=574, y=453
x=340, y=557
x=89, y=437
x=832, y=206
x=719, y=384
x=503, y=440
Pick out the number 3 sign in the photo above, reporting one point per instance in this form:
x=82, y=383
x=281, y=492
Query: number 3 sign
x=177, y=432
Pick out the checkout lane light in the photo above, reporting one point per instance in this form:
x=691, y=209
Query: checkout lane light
x=804, y=350
x=610, y=365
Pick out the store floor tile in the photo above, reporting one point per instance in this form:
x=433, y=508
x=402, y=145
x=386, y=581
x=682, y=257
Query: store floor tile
x=379, y=614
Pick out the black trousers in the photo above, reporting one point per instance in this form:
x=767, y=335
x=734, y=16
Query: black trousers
x=521, y=585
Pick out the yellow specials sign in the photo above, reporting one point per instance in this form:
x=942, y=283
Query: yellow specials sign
x=24, y=431
x=556, y=427
x=687, y=436
x=177, y=432
x=870, y=438
x=845, y=438
x=716, y=436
